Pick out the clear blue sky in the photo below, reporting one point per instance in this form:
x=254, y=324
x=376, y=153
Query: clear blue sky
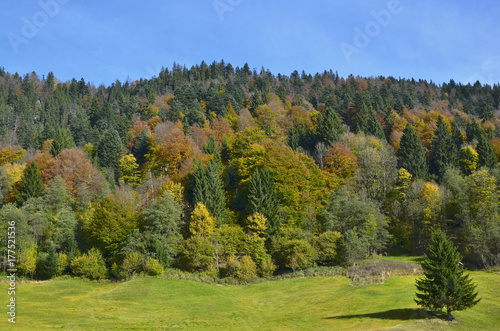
x=105, y=40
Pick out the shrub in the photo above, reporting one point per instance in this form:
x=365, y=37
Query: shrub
x=153, y=267
x=247, y=269
x=89, y=265
x=328, y=245
x=132, y=262
x=197, y=254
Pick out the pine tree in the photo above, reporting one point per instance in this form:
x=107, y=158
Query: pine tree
x=487, y=157
x=329, y=127
x=63, y=139
x=472, y=130
x=445, y=284
x=456, y=137
x=50, y=266
x=262, y=198
x=367, y=122
x=441, y=152
x=31, y=185
x=411, y=155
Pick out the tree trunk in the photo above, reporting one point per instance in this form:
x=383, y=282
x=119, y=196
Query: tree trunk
x=450, y=317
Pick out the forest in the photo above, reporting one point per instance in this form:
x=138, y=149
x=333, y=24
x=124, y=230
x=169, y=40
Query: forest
x=238, y=173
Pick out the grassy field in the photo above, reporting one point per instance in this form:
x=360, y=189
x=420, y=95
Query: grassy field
x=322, y=303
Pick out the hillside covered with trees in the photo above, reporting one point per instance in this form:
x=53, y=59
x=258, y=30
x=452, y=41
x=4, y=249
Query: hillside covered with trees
x=238, y=173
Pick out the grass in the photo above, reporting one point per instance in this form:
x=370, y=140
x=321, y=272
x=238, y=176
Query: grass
x=315, y=303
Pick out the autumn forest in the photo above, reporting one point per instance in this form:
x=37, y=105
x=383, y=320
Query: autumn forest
x=240, y=173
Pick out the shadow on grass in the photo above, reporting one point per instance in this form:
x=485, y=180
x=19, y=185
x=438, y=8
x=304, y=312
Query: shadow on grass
x=393, y=314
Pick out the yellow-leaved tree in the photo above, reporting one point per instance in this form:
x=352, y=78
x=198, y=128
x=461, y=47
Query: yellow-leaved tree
x=202, y=223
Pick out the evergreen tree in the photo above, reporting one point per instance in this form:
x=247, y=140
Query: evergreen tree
x=329, y=127
x=63, y=139
x=445, y=284
x=109, y=150
x=411, y=155
x=50, y=265
x=262, y=198
x=472, y=130
x=487, y=157
x=456, y=137
x=140, y=148
x=31, y=185
x=293, y=138
x=208, y=188
x=366, y=121
x=442, y=151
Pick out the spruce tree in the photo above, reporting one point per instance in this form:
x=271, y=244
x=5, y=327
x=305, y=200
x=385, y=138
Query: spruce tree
x=487, y=157
x=445, y=284
x=329, y=127
x=63, y=139
x=140, y=148
x=31, y=185
x=262, y=198
x=208, y=188
x=109, y=150
x=472, y=130
x=411, y=155
x=50, y=266
x=293, y=138
x=442, y=151
x=367, y=122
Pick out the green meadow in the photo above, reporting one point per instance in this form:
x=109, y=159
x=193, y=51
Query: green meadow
x=314, y=303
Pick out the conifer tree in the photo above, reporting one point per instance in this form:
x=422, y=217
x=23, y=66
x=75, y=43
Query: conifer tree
x=208, y=188
x=442, y=151
x=329, y=127
x=262, y=198
x=456, y=137
x=411, y=155
x=109, y=150
x=487, y=157
x=367, y=122
x=63, y=139
x=472, y=130
x=293, y=138
x=31, y=185
x=140, y=148
x=445, y=284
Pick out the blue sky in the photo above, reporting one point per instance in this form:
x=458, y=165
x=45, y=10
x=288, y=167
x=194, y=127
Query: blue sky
x=102, y=41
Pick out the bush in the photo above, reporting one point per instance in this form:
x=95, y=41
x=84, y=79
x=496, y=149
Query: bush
x=89, y=265
x=153, y=267
x=132, y=262
x=197, y=254
x=247, y=269
x=328, y=246
x=62, y=263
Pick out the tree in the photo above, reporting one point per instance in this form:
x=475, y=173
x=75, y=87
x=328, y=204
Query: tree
x=128, y=169
x=329, y=127
x=31, y=185
x=262, y=198
x=411, y=155
x=208, y=188
x=442, y=149
x=202, y=223
x=109, y=150
x=445, y=283
x=487, y=157
x=63, y=139
x=140, y=148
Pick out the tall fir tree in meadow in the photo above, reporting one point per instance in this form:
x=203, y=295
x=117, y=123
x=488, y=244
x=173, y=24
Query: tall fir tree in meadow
x=329, y=127
x=445, y=284
x=487, y=157
x=31, y=185
x=262, y=198
x=442, y=150
x=411, y=154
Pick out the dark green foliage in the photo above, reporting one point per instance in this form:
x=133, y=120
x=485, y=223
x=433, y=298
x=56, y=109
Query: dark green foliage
x=442, y=151
x=31, y=185
x=329, y=127
x=140, y=148
x=50, y=265
x=208, y=188
x=366, y=121
x=262, y=198
x=109, y=150
x=445, y=284
x=473, y=130
x=487, y=157
x=63, y=139
x=293, y=138
x=411, y=155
